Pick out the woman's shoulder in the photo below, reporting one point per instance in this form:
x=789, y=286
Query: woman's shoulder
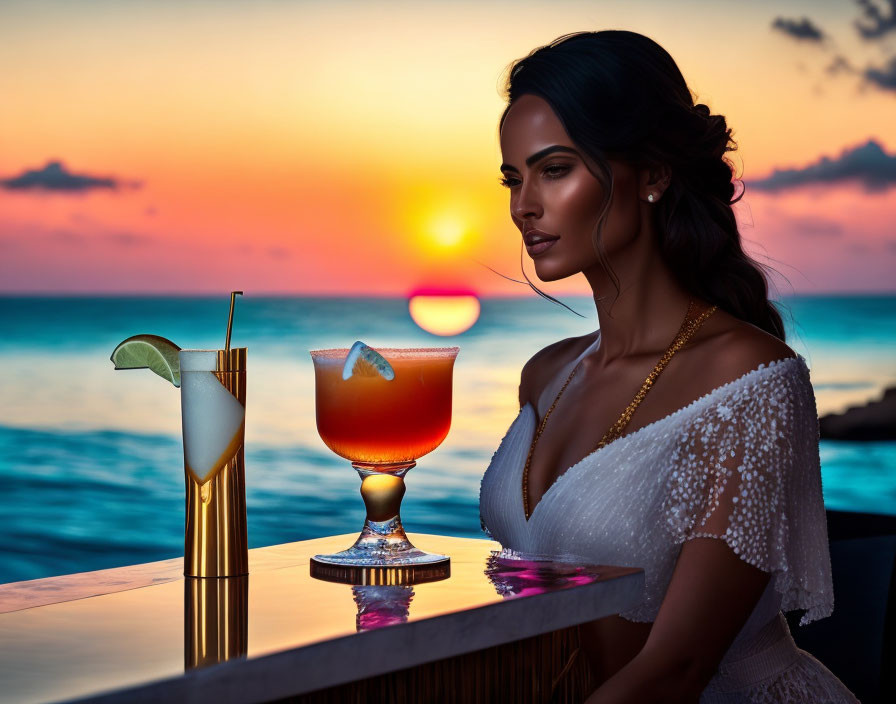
x=546, y=364
x=731, y=349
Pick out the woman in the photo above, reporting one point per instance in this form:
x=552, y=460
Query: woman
x=710, y=481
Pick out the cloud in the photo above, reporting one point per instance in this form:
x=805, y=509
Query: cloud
x=56, y=177
x=118, y=239
x=85, y=235
x=278, y=252
x=840, y=64
x=875, y=24
x=885, y=77
x=811, y=226
x=802, y=30
x=877, y=18
x=126, y=239
x=867, y=163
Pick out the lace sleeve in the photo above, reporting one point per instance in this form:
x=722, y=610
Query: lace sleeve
x=747, y=472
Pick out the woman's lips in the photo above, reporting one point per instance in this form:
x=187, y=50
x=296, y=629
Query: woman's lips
x=538, y=241
x=539, y=247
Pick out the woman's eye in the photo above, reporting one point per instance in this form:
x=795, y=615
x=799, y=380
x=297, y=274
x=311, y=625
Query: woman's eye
x=556, y=170
x=553, y=171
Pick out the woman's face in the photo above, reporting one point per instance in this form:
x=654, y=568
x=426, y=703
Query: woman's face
x=555, y=201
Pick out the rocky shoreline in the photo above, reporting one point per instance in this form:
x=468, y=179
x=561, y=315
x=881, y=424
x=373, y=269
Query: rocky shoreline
x=875, y=420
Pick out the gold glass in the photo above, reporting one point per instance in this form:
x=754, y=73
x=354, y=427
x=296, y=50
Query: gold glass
x=213, y=406
x=216, y=620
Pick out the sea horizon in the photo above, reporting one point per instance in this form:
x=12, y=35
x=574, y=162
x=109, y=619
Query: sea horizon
x=527, y=294
x=92, y=458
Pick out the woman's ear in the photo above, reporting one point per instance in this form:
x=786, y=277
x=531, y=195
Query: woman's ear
x=654, y=181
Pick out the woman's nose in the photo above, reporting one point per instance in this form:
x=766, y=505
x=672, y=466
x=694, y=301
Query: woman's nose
x=527, y=203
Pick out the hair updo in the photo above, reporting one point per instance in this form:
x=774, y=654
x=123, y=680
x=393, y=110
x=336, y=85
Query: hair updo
x=620, y=95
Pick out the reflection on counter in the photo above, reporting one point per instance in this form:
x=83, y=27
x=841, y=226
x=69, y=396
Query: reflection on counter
x=383, y=594
x=514, y=576
x=381, y=606
x=216, y=620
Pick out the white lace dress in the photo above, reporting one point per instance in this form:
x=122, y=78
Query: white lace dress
x=739, y=464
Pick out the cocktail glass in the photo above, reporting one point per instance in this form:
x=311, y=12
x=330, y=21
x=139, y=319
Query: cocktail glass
x=213, y=410
x=383, y=426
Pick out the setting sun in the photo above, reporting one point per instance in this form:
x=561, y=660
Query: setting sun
x=446, y=230
x=444, y=314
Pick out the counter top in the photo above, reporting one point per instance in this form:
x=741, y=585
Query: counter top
x=144, y=633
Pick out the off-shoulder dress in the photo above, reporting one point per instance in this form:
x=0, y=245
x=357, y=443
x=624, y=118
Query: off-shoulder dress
x=740, y=464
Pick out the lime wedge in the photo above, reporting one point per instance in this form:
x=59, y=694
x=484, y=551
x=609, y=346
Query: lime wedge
x=149, y=352
x=366, y=361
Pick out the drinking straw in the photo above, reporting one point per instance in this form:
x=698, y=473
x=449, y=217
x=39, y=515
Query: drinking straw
x=233, y=295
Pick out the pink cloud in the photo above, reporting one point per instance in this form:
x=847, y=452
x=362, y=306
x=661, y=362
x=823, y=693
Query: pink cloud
x=824, y=238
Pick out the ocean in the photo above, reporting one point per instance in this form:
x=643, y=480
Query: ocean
x=91, y=461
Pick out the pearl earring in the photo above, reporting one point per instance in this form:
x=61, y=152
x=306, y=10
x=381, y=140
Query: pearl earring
x=650, y=197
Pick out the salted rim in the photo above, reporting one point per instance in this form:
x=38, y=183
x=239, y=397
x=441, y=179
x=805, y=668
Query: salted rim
x=341, y=353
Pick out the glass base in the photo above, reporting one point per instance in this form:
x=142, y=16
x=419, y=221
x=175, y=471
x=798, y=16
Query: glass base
x=400, y=575
x=382, y=554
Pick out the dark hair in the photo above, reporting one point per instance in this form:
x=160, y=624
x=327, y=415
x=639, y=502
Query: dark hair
x=620, y=95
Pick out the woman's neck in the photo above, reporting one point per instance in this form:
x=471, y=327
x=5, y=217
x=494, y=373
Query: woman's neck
x=646, y=314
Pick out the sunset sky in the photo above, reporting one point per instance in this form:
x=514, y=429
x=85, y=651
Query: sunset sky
x=351, y=147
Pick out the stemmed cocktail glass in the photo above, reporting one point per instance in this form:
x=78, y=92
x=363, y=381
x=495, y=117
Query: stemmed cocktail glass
x=383, y=417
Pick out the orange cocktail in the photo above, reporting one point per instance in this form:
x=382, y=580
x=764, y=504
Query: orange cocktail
x=382, y=410
x=373, y=420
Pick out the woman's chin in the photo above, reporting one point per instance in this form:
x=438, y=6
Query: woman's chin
x=553, y=271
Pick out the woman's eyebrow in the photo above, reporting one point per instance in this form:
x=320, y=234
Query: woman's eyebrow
x=540, y=155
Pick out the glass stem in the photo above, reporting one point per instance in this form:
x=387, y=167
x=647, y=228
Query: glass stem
x=382, y=488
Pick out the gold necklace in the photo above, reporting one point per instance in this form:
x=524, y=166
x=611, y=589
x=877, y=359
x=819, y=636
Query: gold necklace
x=688, y=327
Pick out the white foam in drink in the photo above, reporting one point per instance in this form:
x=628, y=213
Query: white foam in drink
x=212, y=417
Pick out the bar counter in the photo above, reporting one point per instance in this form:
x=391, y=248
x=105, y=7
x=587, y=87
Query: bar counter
x=145, y=633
